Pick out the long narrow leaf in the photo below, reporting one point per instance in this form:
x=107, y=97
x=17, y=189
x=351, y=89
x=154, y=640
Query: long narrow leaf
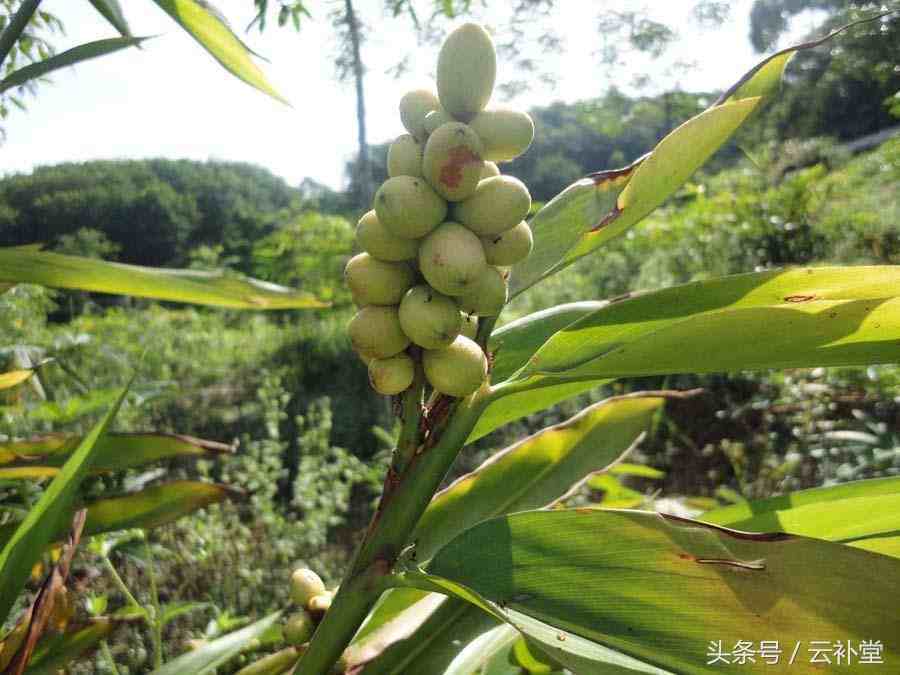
x=218, y=652
x=47, y=517
x=59, y=651
x=13, y=378
x=70, y=57
x=111, y=10
x=29, y=265
x=207, y=26
x=16, y=27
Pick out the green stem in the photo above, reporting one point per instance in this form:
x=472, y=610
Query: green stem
x=16, y=26
x=157, y=613
x=410, y=435
x=399, y=511
x=104, y=648
x=117, y=580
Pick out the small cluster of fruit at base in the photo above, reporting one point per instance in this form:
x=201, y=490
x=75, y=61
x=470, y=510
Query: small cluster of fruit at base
x=308, y=592
x=445, y=228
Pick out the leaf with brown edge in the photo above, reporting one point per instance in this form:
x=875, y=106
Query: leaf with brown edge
x=151, y=507
x=112, y=452
x=660, y=588
x=47, y=603
x=56, y=652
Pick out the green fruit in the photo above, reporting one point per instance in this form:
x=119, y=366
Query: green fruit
x=435, y=119
x=408, y=207
x=451, y=258
x=457, y=370
x=489, y=170
x=506, y=134
x=298, y=628
x=405, y=157
x=393, y=375
x=414, y=106
x=430, y=319
x=467, y=67
x=469, y=326
x=509, y=247
x=376, y=282
x=375, y=332
x=376, y=240
x=452, y=161
x=305, y=584
x=488, y=296
x=498, y=205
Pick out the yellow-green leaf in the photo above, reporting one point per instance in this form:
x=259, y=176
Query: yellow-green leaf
x=13, y=378
x=208, y=27
x=28, y=264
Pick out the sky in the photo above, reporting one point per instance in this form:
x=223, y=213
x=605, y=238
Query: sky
x=171, y=99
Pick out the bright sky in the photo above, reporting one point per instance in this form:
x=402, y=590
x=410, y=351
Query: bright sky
x=171, y=99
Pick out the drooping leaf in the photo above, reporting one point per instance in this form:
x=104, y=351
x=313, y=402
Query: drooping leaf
x=27, y=264
x=70, y=57
x=537, y=470
x=111, y=10
x=149, y=508
x=208, y=27
x=13, y=378
x=58, y=651
x=663, y=589
x=791, y=318
x=113, y=451
x=218, y=652
x=47, y=518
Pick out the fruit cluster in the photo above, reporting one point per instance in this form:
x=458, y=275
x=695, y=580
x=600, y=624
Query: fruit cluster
x=307, y=591
x=445, y=227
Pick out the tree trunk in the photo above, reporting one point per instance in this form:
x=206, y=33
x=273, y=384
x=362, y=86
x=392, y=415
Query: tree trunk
x=363, y=163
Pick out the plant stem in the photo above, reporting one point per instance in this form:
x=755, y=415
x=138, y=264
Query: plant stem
x=16, y=27
x=156, y=624
x=402, y=504
x=117, y=580
x=412, y=418
x=104, y=648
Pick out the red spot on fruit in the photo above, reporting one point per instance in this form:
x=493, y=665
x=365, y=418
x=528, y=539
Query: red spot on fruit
x=452, y=170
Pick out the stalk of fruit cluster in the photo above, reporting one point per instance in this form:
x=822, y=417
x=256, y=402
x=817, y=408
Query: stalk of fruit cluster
x=405, y=498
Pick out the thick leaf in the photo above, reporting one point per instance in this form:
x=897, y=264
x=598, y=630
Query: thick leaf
x=59, y=651
x=663, y=588
x=513, y=344
x=111, y=10
x=563, y=221
x=146, y=509
x=535, y=471
x=795, y=318
x=70, y=57
x=218, y=652
x=29, y=265
x=112, y=452
x=736, y=515
x=50, y=516
x=13, y=378
x=529, y=474
x=208, y=27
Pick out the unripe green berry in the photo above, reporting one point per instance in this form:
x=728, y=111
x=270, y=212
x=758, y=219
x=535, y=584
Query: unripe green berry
x=499, y=204
x=408, y=207
x=414, y=106
x=405, y=157
x=469, y=325
x=392, y=375
x=305, y=584
x=451, y=258
x=505, y=134
x=298, y=628
x=509, y=247
x=376, y=282
x=379, y=242
x=435, y=119
x=431, y=320
x=457, y=370
x=467, y=67
x=452, y=161
x=321, y=603
x=489, y=170
x=375, y=332
x=488, y=296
